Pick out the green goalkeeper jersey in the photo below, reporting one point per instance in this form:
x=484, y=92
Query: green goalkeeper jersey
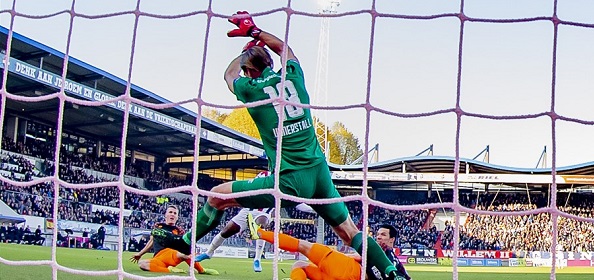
x=300, y=147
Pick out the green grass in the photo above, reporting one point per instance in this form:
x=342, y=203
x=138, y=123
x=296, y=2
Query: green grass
x=232, y=269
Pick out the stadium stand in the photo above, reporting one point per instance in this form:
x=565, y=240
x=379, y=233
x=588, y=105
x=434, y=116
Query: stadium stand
x=518, y=234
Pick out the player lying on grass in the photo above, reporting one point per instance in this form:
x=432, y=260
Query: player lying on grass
x=303, y=170
x=326, y=263
x=167, y=259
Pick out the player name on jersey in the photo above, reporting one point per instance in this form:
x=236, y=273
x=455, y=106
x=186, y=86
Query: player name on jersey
x=294, y=128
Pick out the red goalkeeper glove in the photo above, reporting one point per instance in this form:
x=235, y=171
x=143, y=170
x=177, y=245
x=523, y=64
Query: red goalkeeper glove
x=253, y=43
x=245, y=24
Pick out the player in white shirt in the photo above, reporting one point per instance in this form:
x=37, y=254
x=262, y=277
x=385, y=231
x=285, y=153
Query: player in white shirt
x=236, y=225
x=239, y=223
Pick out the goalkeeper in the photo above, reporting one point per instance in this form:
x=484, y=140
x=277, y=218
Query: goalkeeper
x=326, y=263
x=303, y=170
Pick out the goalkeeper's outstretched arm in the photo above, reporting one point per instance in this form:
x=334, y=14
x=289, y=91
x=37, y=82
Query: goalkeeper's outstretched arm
x=276, y=45
x=232, y=72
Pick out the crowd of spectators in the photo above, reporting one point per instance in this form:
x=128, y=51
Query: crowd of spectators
x=17, y=167
x=39, y=149
x=75, y=204
x=415, y=230
x=521, y=233
x=71, y=164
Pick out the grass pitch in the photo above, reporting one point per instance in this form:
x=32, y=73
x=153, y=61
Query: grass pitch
x=233, y=269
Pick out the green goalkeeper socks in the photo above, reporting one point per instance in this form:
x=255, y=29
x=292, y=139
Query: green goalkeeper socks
x=376, y=257
x=208, y=219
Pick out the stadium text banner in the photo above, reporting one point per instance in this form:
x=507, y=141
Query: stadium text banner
x=428, y=253
x=226, y=251
x=463, y=178
x=475, y=254
x=478, y=262
x=50, y=79
x=562, y=255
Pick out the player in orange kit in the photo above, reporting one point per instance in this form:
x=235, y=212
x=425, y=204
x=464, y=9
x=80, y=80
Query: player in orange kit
x=326, y=263
x=167, y=259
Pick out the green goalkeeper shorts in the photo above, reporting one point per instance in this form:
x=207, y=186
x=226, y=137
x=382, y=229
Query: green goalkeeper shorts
x=313, y=182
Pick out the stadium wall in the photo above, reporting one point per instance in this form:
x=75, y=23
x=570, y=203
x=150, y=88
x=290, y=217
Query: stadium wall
x=441, y=218
x=226, y=251
x=111, y=232
x=34, y=221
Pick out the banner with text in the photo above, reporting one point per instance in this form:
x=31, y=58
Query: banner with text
x=421, y=260
x=478, y=262
x=53, y=80
x=283, y=256
x=225, y=251
x=562, y=255
x=476, y=254
x=410, y=252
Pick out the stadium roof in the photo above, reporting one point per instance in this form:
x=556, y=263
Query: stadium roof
x=35, y=70
x=9, y=215
x=446, y=165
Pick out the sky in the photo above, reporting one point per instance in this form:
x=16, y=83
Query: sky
x=413, y=70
